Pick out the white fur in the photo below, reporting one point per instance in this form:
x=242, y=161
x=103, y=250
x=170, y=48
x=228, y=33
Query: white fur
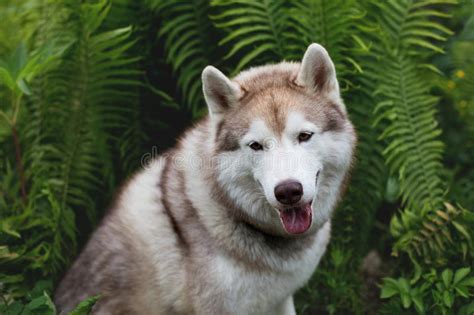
x=269, y=293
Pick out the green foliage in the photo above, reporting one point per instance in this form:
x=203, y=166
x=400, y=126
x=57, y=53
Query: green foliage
x=434, y=293
x=69, y=114
x=334, y=285
x=434, y=236
x=187, y=32
x=405, y=104
x=38, y=302
x=84, y=85
x=84, y=307
x=254, y=30
x=329, y=23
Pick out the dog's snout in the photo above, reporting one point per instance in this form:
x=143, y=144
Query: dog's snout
x=289, y=192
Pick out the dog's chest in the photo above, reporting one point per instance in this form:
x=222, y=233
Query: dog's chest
x=256, y=291
x=260, y=291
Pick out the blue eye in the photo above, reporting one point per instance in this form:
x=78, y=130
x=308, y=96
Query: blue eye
x=304, y=136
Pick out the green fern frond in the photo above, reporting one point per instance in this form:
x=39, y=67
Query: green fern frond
x=404, y=34
x=431, y=237
x=254, y=30
x=412, y=25
x=74, y=116
x=370, y=169
x=187, y=32
x=370, y=172
x=414, y=151
x=405, y=105
x=96, y=88
x=329, y=23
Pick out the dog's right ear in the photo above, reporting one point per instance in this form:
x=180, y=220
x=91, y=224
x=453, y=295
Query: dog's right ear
x=317, y=71
x=220, y=92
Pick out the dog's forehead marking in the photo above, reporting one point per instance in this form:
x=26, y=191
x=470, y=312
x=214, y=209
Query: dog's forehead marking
x=274, y=109
x=274, y=105
x=296, y=122
x=257, y=130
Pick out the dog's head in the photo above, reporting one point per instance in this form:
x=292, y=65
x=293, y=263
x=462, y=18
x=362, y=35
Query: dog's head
x=283, y=141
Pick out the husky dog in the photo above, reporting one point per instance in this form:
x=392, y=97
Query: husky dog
x=236, y=217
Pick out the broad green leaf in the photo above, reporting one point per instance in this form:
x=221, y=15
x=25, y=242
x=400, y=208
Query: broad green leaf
x=417, y=300
x=18, y=60
x=7, y=79
x=388, y=291
x=406, y=300
x=448, y=299
x=84, y=307
x=461, y=274
x=447, y=277
x=462, y=290
x=469, y=282
x=404, y=285
x=23, y=87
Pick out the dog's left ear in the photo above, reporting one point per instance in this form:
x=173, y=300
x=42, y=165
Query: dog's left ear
x=220, y=92
x=317, y=71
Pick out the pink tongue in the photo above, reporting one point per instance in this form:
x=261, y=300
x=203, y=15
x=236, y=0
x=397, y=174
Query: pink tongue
x=296, y=220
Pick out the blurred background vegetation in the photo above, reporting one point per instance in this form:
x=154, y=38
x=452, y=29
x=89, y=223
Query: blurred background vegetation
x=88, y=87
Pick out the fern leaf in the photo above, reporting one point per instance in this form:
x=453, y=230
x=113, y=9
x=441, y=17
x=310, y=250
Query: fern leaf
x=329, y=23
x=404, y=34
x=253, y=30
x=188, y=36
x=429, y=238
x=414, y=151
x=407, y=25
x=74, y=114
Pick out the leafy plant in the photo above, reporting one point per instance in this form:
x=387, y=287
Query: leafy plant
x=38, y=302
x=73, y=101
x=85, y=307
x=252, y=24
x=187, y=32
x=434, y=294
x=87, y=86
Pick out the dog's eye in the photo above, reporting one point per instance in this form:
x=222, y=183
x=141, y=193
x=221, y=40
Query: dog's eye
x=304, y=136
x=255, y=146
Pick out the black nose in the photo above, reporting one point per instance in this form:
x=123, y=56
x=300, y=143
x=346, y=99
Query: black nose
x=289, y=192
